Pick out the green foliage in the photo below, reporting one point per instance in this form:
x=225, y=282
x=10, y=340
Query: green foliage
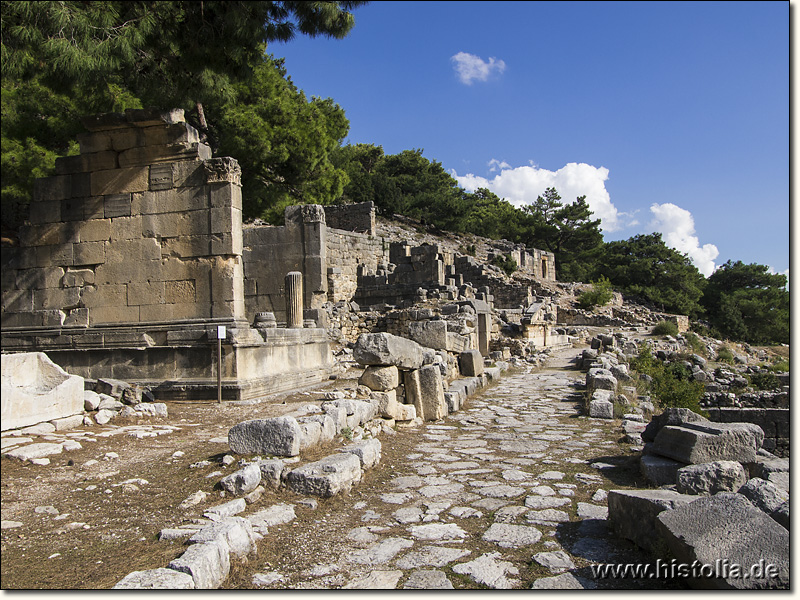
x=65, y=60
x=665, y=328
x=600, y=295
x=725, y=355
x=747, y=303
x=469, y=249
x=765, y=381
x=282, y=142
x=781, y=366
x=696, y=344
x=644, y=267
x=506, y=263
x=671, y=385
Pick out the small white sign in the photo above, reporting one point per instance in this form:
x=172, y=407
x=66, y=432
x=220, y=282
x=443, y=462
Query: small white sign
x=221, y=332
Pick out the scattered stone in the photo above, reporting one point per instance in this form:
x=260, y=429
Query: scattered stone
x=764, y=495
x=558, y=561
x=591, y=511
x=242, y=481
x=376, y=580
x=728, y=527
x=437, y=531
x=265, y=579
x=334, y=474
x=34, y=451
x=380, y=552
x=565, y=581
x=488, y=570
x=710, y=478
x=156, y=579
x=430, y=556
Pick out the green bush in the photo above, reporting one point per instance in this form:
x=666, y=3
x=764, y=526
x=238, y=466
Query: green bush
x=765, y=381
x=665, y=328
x=696, y=344
x=469, y=249
x=781, y=366
x=724, y=354
x=506, y=263
x=599, y=295
x=671, y=384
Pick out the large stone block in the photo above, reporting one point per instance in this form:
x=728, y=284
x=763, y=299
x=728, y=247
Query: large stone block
x=332, y=475
x=278, y=436
x=243, y=481
x=380, y=379
x=208, y=563
x=727, y=528
x=156, y=579
x=432, y=393
x=368, y=452
x=764, y=495
x=387, y=350
x=632, y=513
x=470, y=363
x=431, y=334
x=696, y=443
x=660, y=470
x=670, y=416
x=711, y=478
x=35, y=389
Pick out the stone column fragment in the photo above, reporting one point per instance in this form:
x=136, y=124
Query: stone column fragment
x=294, y=300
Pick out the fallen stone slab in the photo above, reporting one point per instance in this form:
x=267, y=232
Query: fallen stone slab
x=243, y=481
x=710, y=478
x=278, y=436
x=695, y=444
x=670, y=416
x=558, y=561
x=431, y=556
x=277, y=514
x=380, y=552
x=437, y=531
x=763, y=494
x=385, y=349
x=727, y=527
x=632, y=513
x=34, y=389
x=235, y=533
x=151, y=409
x=207, y=563
x=34, y=451
x=227, y=509
x=781, y=515
x=334, y=474
x=659, y=470
x=156, y=579
x=368, y=452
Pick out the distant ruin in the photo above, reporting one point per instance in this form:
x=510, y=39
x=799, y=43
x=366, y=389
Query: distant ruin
x=135, y=254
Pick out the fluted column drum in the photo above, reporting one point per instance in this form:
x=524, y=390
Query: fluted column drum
x=294, y=300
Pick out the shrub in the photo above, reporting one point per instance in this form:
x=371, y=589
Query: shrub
x=665, y=328
x=599, y=295
x=781, y=366
x=469, y=249
x=506, y=263
x=696, y=344
x=765, y=381
x=724, y=354
x=671, y=384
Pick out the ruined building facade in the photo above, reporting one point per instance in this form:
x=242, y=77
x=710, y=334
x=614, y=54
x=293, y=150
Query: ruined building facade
x=135, y=254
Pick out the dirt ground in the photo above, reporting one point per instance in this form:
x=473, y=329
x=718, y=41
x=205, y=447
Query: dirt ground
x=105, y=528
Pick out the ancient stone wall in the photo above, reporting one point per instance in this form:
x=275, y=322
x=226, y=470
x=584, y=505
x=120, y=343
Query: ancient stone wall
x=352, y=217
x=143, y=226
x=350, y=255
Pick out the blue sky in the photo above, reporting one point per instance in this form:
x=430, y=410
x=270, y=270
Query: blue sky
x=669, y=116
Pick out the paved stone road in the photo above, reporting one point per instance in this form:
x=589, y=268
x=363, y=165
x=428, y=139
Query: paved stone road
x=508, y=492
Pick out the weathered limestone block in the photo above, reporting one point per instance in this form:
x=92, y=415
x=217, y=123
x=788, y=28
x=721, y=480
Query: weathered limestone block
x=35, y=389
x=727, y=527
x=235, y=533
x=431, y=334
x=431, y=390
x=696, y=443
x=327, y=426
x=601, y=404
x=710, y=478
x=243, y=481
x=764, y=495
x=310, y=434
x=208, y=563
x=337, y=413
x=470, y=363
x=632, y=513
x=332, y=475
x=670, y=416
x=457, y=342
x=278, y=436
x=368, y=452
x=111, y=387
x=660, y=470
x=156, y=579
x=781, y=514
x=600, y=379
x=380, y=379
x=388, y=406
x=387, y=350
x=271, y=472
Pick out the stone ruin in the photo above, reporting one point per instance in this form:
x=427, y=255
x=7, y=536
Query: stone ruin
x=134, y=256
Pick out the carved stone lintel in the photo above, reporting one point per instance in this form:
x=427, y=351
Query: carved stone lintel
x=223, y=170
x=304, y=213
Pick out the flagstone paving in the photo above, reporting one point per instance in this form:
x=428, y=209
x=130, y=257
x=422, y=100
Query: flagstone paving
x=507, y=491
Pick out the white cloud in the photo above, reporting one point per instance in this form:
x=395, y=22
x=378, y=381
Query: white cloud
x=522, y=185
x=470, y=68
x=676, y=226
